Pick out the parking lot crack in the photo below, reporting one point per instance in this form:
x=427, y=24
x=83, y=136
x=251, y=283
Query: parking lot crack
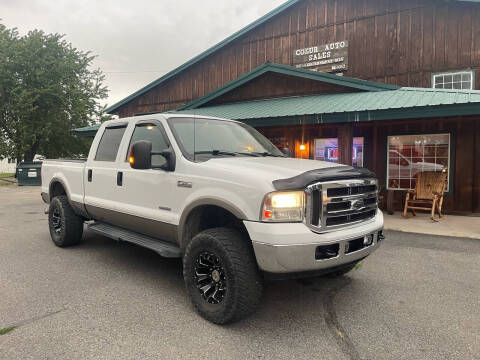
x=10, y=328
x=334, y=326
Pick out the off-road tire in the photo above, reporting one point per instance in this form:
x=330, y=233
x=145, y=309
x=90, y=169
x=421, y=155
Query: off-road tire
x=244, y=285
x=341, y=271
x=69, y=228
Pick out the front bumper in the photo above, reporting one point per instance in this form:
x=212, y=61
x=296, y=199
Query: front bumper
x=293, y=247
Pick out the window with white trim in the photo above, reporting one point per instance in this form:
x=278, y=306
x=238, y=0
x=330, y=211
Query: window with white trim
x=409, y=155
x=454, y=80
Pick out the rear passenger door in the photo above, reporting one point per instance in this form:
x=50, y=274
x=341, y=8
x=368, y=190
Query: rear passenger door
x=100, y=177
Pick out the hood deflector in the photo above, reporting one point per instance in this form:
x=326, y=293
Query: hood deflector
x=301, y=181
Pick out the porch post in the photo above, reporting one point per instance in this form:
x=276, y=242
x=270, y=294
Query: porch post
x=345, y=144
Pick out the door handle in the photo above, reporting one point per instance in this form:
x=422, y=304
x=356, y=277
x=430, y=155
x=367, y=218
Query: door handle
x=119, y=178
x=89, y=175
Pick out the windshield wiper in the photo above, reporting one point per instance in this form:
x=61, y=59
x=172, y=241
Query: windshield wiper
x=215, y=152
x=266, y=153
x=225, y=152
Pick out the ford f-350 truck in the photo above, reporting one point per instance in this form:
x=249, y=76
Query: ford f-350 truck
x=222, y=197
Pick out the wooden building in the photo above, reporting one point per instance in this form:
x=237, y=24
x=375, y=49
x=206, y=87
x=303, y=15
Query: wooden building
x=384, y=84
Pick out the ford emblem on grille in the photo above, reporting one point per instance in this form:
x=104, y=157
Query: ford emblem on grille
x=357, y=204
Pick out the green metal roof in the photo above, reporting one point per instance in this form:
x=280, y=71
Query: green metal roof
x=401, y=103
x=87, y=131
x=204, y=54
x=358, y=84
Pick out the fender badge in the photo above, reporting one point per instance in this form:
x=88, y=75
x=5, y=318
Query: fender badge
x=185, y=184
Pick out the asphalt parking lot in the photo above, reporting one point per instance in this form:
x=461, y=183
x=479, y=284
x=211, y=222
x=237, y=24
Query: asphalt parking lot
x=417, y=297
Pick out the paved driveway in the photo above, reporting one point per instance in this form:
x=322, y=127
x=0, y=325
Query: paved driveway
x=417, y=297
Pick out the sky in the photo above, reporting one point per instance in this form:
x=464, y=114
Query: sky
x=136, y=41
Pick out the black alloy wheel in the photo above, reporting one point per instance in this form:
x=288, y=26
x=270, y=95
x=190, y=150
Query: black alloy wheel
x=56, y=221
x=210, y=277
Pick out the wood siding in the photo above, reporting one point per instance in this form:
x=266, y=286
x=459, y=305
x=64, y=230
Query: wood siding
x=397, y=42
x=272, y=85
x=464, y=197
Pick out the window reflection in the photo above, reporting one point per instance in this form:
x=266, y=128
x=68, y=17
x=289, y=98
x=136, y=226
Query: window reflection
x=410, y=154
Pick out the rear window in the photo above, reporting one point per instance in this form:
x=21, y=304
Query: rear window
x=109, y=144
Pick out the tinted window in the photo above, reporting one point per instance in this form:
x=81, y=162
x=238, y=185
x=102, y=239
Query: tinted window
x=152, y=133
x=109, y=144
x=203, y=135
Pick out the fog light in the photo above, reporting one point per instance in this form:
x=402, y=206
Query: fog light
x=368, y=240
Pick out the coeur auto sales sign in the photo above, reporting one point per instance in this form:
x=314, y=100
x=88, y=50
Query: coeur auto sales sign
x=332, y=57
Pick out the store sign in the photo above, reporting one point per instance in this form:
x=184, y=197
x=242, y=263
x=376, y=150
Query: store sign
x=331, y=57
x=332, y=153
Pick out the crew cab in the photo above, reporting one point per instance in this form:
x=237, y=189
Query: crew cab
x=222, y=197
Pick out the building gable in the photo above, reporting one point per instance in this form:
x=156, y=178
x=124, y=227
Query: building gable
x=277, y=80
x=389, y=41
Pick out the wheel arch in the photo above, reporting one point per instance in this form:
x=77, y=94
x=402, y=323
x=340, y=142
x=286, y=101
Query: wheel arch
x=58, y=187
x=196, y=212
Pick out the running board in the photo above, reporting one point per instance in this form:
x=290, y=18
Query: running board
x=164, y=248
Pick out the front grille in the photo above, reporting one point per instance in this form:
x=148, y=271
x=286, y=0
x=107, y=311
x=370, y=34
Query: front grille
x=340, y=203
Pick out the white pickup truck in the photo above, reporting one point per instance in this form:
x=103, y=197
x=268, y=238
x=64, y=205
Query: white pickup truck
x=219, y=195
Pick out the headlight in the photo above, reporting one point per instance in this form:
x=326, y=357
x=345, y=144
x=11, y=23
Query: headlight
x=284, y=206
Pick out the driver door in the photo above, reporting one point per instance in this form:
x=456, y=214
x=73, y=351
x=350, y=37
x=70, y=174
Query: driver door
x=145, y=194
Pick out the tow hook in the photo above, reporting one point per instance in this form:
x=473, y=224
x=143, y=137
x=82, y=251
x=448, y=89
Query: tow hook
x=380, y=237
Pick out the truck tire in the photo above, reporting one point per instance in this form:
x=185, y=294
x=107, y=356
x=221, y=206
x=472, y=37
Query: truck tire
x=221, y=275
x=66, y=227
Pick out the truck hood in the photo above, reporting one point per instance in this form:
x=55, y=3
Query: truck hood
x=267, y=168
x=284, y=173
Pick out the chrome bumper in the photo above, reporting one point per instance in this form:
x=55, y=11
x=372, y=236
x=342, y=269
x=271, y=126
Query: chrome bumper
x=303, y=251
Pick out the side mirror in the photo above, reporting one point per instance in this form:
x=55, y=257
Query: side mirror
x=140, y=156
x=169, y=155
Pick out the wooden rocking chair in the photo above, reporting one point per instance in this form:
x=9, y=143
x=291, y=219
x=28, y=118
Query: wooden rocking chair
x=428, y=194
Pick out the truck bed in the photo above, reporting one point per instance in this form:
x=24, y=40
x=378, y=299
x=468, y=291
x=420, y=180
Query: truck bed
x=67, y=160
x=69, y=172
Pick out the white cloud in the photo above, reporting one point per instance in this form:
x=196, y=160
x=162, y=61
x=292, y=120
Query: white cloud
x=136, y=41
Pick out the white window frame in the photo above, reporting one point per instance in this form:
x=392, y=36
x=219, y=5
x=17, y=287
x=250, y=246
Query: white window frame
x=452, y=73
x=450, y=159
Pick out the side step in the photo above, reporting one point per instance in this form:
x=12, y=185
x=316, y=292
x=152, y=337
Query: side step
x=164, y=248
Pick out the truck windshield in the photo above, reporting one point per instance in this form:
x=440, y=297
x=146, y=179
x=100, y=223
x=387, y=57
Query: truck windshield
x=204, y=138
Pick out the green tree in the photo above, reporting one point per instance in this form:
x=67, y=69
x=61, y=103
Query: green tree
x=47, y=88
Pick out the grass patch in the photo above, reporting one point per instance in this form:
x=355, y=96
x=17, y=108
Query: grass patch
x=4, y=183
x=357, y=266
x=6, y=330
x=7, y=175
